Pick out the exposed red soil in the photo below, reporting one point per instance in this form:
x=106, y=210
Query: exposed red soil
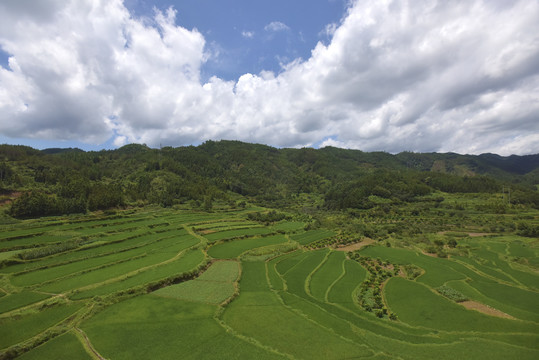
x=12, y=196
x=206, y=232
x=477, y=234
x=485, y=309
x=470, y=234
x=356, y=246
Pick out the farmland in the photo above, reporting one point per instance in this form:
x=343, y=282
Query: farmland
x=187, y=277
x=316, y=259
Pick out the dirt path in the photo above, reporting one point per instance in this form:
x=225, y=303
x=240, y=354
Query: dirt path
x=356, y=246
x=470, y=234
x=474, y=234
x=485, y=309
x=206, y=232
x=88, y=345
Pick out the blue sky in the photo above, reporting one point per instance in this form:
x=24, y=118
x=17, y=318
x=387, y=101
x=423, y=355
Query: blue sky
x=395, y=75
x=236, y=30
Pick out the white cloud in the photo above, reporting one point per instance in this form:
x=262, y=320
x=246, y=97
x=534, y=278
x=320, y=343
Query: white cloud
x=328, y=31
x=423, y=76
x=275, y=26
x=248, y=34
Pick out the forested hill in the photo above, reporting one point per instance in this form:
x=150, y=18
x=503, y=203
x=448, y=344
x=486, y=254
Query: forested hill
x=57, y=181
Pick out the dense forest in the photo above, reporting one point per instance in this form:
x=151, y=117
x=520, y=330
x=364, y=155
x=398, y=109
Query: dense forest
x=63, y=181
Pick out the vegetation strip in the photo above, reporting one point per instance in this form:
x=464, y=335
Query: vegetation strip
x=87, y=344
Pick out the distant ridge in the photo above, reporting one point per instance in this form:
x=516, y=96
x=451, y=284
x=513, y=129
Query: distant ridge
x=72, y=180
x=51, y=151
x=483, y=164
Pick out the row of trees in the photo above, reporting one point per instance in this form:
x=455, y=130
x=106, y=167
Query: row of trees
x=37, y=203
x=385, y=184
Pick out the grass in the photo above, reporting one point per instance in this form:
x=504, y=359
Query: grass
x=283, y=329
x=437, y=271
x=326, y=275
x=93, y=260
x=291, y=303
x=223, y=271
x=16, y=329
x=286, y=263
x=512, y=296
x=313, y=235
x=18, y=300
x=106, y=273
x=115, y=266
x=208, y=292
x=289, y=226
x=153, y=327
x=296, y=278
x=58, y=348
x=188, y=262
x=341, y=291
x=237, y=233
x=418, y=306
x=233, y=249
x=8, y=254
x=214, y=286
x=473, y=294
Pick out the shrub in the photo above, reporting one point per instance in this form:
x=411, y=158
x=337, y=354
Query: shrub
x=451, y=293
x=411, y=271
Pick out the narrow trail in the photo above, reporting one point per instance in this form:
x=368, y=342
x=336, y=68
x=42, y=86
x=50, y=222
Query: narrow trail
x=36, y=304
x=310, y=275
x=190, y=231
x=88, y=345
x=326, y=295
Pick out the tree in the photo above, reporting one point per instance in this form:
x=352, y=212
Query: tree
x=103, y=196
x=452, y=243
x=33, y=204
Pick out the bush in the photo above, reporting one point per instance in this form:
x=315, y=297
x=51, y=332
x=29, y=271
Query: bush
x=268, y=217
x=411, y=271
x=451, y=293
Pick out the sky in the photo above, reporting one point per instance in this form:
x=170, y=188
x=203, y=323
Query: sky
x=375, y=75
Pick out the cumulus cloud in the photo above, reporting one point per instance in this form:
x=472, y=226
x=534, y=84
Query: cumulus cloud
x=276, y=26
x=425, y=75
x=248, y=34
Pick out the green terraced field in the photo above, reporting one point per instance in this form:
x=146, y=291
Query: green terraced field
x=157, y=284
x=185, y=264
x=232, y=249
x=312, y=235
x=214, y=286
x=326, y=275
x=153, y=327
x=16, y=329
x=58, y=347
x=18, y=300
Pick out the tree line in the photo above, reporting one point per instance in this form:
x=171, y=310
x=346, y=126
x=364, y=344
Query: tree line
x=63, y=181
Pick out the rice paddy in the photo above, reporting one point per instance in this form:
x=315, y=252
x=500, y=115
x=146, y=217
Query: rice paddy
x=178, y=284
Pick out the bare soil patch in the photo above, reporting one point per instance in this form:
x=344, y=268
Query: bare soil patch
x=206, y=232
x=470, y=234
x=8, y=198
x=356, y=246
x=485, y=309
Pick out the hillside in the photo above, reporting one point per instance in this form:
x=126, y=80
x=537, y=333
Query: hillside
x=59, y=181
x=235, y=250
